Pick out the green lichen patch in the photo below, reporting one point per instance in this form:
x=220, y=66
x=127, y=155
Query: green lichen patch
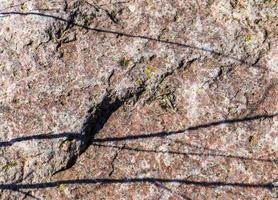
x=149, y=71
x=8, y=166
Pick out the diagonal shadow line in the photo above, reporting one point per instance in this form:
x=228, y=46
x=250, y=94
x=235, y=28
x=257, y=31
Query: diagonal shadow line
x=69, y=136
x=191, y=128
x=150, y=180
x=185, y=153
x=118, y=33
x=78, y=136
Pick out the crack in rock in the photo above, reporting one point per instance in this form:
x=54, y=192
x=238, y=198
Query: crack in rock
x=114, y=159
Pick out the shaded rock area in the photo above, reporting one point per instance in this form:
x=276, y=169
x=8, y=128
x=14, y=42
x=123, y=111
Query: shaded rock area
x=139, y=99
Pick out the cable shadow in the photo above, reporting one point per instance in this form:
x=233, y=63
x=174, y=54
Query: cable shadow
x=185, y=153
x=69, y=136
x=101, y=117
x=70, y=22
x=106, y=181
x=191, y=128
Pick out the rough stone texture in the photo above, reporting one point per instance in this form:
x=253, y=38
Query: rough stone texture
x=138, y=99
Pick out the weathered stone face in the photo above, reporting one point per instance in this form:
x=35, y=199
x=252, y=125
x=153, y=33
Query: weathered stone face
x=138, y=99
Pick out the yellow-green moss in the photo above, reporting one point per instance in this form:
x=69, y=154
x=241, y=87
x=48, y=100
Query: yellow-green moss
x=149, y=71
x=8, y=166
x=249, y=38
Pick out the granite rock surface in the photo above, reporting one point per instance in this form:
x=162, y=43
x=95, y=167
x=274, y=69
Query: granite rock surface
x=138, y=99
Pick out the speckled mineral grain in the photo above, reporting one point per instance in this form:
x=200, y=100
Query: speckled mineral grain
x=170, y=99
